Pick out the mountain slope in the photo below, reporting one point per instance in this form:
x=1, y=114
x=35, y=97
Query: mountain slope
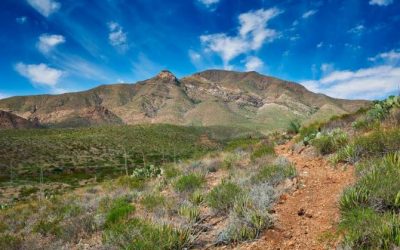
x=9, y=121
x=213, y=97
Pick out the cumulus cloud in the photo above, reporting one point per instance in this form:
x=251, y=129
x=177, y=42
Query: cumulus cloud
x=392, y=56
x=48, y=42
x=21, y=19
x=253, y=63
x=367, y=83
x=309, y=13
x=45, y=7
x=117, y=37
x=380, y=2
x=252, y=34
x=209, y=3
x=40, y=74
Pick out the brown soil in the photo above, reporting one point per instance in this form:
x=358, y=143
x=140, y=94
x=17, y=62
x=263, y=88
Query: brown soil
x=307, y=218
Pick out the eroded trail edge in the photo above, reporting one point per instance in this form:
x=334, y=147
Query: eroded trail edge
x=307, y=217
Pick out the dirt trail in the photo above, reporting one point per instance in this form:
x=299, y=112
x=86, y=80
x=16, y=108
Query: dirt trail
x=307, y=217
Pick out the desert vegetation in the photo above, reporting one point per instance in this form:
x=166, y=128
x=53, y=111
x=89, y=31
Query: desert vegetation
x=207, y=188
x=370, y=140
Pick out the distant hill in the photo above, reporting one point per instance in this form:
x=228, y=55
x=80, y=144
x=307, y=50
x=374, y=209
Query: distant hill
x=10, y=121
x=212, y=97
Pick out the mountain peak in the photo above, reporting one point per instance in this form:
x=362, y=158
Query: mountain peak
x=167, y=75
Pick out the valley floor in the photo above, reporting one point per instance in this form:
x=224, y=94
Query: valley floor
x=307, y=218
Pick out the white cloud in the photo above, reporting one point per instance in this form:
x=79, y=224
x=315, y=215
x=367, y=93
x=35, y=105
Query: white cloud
x=367, y=83
x=21, y=19
x=392, y=56
x=327, y=68
x=45, y=7
x=48, y=42
x=252, y=34
x=380, y=2
x=39, y=73
x=209, y=3
x=195, y=57
x=358, y=29
x=3, y=96
x=319, y=45
x=309, y=13
x=253, y=63
x=117, y=37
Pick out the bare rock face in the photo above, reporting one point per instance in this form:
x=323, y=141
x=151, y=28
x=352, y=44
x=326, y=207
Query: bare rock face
x=9, y=121
x=166, y=76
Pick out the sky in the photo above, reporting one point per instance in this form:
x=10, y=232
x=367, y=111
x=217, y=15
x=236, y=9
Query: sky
x=342, y=48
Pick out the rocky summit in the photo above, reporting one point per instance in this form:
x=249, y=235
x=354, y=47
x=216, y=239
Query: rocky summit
x=208, y=98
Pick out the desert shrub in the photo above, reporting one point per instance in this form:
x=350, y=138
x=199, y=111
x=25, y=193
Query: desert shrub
x=47, y=227
x=197, y=197
x=327, y=143
x=241, y=143
x=263, y=150
x=11, y=242
x=378, y=143
x=222, y=197
x=366, y=229
x=190, y=212
x=120, y=209
x=171, y=171
x=131, y=182
x=139, y=234
x=294, y=127
x=245, y=222
x=262, y=196
x=229, y=160
x=308, y=133
x=274, y=174
x=349, y=153
x=27, y=191
x=148, y=171
x=189, y=183
x=153, y=201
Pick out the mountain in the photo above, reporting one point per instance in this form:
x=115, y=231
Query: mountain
x=9, y=121
x=212, y=97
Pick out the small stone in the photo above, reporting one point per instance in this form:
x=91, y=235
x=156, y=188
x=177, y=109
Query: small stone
x=301, y=212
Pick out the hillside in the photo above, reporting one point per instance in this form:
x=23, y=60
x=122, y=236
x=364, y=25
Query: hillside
x=213, y=97
x=9, y=121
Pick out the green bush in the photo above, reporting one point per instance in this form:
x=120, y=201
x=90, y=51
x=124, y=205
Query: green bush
x=378, y=143
x=261, y=151
x=139, y=234
x=273, y=174
x=222, y=197
x=10, y=242
x=379, y=187
x=366, y=229
x=245, y=222
x=189, y=183
x=120, y=209
x=327, y=143
x=149, y=171
x=349, y=153
x=152, y=201
x=294, y=127
x=241, y=143
x=197, y=197
x=171, y=171
x=190, y=212
x=131, y=182
x=309, y=132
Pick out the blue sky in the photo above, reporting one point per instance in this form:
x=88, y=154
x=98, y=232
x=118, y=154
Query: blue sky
x=346, y=49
